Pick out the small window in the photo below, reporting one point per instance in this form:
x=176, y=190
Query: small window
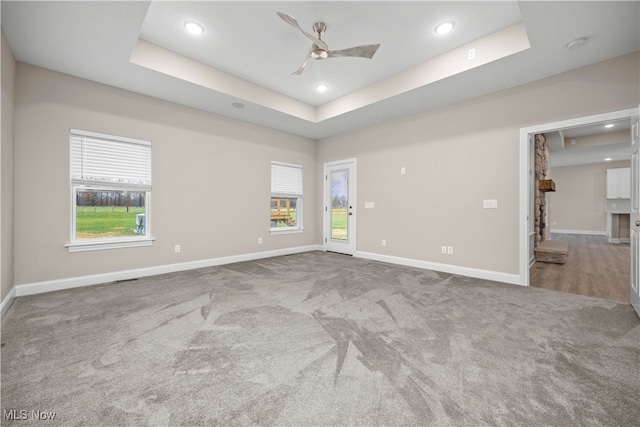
x=111, y=188
x=286, y=198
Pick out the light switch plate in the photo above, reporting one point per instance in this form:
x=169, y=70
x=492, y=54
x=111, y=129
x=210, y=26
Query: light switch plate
x=490, y=204
x=369, y=205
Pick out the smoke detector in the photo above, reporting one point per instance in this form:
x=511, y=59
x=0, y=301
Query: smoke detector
x=576, y=43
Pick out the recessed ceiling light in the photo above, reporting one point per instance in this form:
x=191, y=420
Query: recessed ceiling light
x=444, y=27
x=237, y=105
x=608, y=159
x=610, y=125
x=193, y=28
x=322, y=87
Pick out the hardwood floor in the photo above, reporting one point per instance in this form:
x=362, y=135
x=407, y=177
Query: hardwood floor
x=594, y=268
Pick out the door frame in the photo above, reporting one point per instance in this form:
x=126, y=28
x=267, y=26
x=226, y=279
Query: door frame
x=326, y=196
x=634, y=236
x=525, y=181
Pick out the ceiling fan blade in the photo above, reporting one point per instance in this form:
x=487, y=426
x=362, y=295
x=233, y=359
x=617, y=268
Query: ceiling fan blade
x=304, y=64
x=292, y=21
x=366, y=51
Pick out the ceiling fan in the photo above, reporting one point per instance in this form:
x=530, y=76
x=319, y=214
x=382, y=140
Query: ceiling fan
x=320, y=50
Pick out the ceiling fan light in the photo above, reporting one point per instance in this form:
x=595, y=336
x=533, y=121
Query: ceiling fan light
x=444, y=27
x=193, y=28
x=319, y=54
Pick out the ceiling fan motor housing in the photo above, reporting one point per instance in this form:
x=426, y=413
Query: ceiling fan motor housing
x=318, y=52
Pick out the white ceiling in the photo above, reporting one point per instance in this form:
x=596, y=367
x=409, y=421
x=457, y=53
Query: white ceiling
x=247, y=52
x=249, y=40
x=597, y=143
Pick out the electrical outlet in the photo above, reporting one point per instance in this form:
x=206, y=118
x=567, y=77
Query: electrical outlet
x=444, y=249
x=403, y=171
x=449, y=250
x=472, y=54
x=384, y=242
x=177, y=249
x=259, y=240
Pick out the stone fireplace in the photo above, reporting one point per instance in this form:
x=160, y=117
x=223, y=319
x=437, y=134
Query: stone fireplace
x=541, y=226
x=555, y=251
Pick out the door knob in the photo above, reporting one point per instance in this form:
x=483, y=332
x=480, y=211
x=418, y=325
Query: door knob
x=638, y=223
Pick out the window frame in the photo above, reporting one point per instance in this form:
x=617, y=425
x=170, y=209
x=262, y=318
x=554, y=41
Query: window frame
x=298, y=228
x=92, y=244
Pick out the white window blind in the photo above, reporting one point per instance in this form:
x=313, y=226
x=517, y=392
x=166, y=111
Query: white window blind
x=286, y=179
x=108, y=161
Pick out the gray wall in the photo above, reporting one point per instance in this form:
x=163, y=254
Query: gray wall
x=578, y=202
x=456, y=157
x=203, y=164
x=6, y=169
x=211, y=178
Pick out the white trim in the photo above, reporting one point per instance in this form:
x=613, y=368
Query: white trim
x=108, y=136
x=342, y=162
x=588, y=232
x=285, y=230
x=524, y=174
x=292, y=165
x=98, y=245
x=96, y=279
x=7, y=302
x=619, y=240
x=497, y=276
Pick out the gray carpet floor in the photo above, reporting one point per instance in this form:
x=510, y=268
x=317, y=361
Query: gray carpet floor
x=319, y=339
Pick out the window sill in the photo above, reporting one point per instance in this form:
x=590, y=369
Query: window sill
x=276, y=231
x=102, y=245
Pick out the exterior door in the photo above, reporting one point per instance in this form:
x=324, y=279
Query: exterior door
x=635, y=214
x=340, y=206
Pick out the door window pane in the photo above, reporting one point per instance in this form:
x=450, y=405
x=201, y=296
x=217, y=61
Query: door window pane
x=339, y=204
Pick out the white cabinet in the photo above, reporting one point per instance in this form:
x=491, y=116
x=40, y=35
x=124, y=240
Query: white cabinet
x=619, y=183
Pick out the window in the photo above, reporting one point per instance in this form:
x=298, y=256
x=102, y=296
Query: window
x=110, y=191
x=286, y=198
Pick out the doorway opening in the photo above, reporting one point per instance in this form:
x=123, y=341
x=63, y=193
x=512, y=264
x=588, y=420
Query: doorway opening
x=572, y=143
x=339, y=199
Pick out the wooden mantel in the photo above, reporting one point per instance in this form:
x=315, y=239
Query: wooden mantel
x=546, y=185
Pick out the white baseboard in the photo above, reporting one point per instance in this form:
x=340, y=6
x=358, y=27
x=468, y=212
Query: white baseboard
x=96, y=279
x=513, y=279
x=7, y=302
x=619, y=240
x=592, y=233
